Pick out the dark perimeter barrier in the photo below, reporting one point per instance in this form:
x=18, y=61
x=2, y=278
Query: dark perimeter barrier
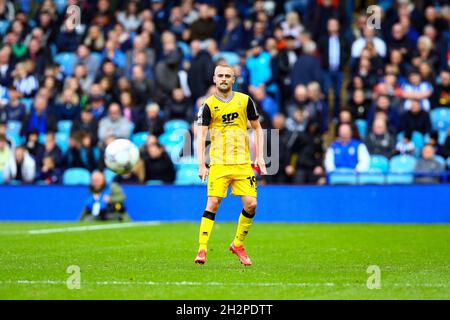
x=367, y=203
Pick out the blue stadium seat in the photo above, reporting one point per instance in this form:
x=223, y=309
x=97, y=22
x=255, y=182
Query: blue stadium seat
x=154, y=182
x=41, y=138
x=64, y=126
x=187, y=176
x=28, y=102
x=172, y=138
x=60, y=5
x=187, y=163
x=13, y=127
x=231, y=58
x=4, y=25
x=442, y=136
x=379, y=162
x=109, y=175
x=139, y=138
x=373, y=176
x=342, y=176
x=440, y=119
x=417, y=138
x=401, y=169
x=62, y=141
x=76, y=176
x=16, y=138
x=172, y=125
x=67, y=61
x=361, y=124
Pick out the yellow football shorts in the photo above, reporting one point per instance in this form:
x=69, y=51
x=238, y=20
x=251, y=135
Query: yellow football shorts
x=240, y=176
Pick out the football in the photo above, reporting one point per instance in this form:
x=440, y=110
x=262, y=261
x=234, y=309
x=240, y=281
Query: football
x=121, y=156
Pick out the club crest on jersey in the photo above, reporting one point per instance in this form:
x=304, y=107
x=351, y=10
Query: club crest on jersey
x=229, y=117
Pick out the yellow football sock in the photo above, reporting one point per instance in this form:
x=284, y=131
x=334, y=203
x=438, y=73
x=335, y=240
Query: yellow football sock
x=244, y=224
x=206, y=226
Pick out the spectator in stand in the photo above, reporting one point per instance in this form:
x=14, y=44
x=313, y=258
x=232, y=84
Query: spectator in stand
x=425, y=53
x=67, y=106
x=307, y=154
x=20, y=166
x=157, y=163
x=441, y=92
x=24, y=80
x=201, y=72
x=141, y=87
x=416, y=89
x=178, y=107
x=233, y=36
x=380, y=141
x=368, y=37
x=359, y=105
x=130, y=17
x=6, y=68
x=34, y=147
x=49, y=173
x=5, y=152
x=335, y=56
x=94, y=39
x=15, y=110
x=400, y=42
x=166, y=75
x=416, y=119
x=114, y=124
x=405, y=146
x=266, y=102
x=204, y=27
x=97, y=101
x=383, y=104
x=307, y=68
x=39, y=118
x=52, y=150
x=86, y=124
x=345, y=117
x=86, y=58
x=428, y=165
x=298, y=101
x=152, y=123
x=317, y=106
x=347, y=153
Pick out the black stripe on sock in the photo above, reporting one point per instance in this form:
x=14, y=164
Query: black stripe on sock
x=247, y=215
x=209, y=215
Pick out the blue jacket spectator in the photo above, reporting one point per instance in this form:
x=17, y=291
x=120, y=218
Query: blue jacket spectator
x=347, y=153
x=307, y=68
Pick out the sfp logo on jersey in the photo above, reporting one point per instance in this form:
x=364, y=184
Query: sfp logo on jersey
x=229, y=117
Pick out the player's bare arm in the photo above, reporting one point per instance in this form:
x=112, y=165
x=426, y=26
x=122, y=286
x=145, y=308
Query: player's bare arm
x=202, y=131
x=259, y=141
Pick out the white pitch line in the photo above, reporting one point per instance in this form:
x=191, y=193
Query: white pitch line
x=174, y=283
x=94, y=227
x=220, y=284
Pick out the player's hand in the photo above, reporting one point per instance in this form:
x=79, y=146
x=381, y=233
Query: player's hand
x=259, y=162
x=202, y=172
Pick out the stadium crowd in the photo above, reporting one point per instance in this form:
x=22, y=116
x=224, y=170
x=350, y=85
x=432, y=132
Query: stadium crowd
x=343, y=94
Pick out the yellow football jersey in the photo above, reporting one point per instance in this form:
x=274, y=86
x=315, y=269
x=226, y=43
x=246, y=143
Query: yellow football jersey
x=227, y=122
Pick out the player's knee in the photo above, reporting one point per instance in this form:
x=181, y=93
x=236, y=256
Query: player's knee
x=213, y=204
x=250, y=206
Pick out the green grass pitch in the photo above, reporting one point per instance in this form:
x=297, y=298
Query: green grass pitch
x=290, y=261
